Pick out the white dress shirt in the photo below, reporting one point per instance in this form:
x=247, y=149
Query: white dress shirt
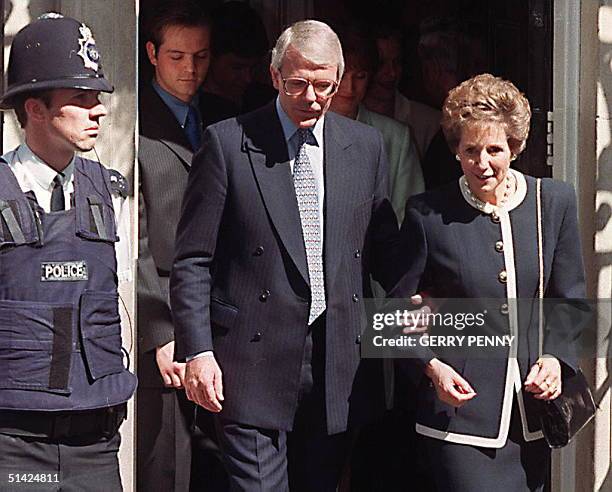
x=33, y=174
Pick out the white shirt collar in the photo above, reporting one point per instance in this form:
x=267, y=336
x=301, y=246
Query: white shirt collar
x=39, y=171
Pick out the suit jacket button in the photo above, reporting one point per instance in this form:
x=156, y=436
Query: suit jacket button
x=264, y=295
x=502, y=276
x=259, y=251
x=256, y=337
x=358, y=339
x=495, y=218
x=355, y=298
x=357, y=253
x=499, y=246
x=503, y=308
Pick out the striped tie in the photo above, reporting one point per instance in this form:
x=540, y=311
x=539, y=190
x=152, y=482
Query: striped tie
x=308, y=203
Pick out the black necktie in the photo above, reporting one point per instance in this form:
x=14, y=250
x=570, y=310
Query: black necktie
x=57, y=195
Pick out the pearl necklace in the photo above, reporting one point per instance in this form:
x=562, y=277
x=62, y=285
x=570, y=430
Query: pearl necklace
x=487, y=207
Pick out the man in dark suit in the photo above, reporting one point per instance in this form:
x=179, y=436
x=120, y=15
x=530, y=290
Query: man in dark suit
x=285, y=216
x=170, y=132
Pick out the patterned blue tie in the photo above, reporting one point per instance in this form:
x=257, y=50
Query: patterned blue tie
x=193, y=129
x=305, y=186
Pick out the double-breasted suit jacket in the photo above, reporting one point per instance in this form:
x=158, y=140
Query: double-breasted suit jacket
x=240, y=280
x=456, y=250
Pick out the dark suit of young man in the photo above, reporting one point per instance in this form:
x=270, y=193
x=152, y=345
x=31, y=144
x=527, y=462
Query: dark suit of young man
x=164, y=158
x=170, y=132
x=240, y=287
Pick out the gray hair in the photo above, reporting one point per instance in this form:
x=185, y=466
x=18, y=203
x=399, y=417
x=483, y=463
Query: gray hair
x=312, y=39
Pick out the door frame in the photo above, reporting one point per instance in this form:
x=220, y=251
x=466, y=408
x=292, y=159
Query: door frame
x=566, y=165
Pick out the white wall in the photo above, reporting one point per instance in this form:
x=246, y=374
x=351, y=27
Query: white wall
x=582, y=87
x=602, y=436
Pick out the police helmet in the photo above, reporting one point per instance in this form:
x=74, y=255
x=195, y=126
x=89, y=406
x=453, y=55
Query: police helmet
x=53, y=52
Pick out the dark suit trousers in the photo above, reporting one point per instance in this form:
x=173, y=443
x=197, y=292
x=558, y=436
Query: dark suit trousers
x=164, y=439
x=172, y=453
x=69, y=464
x=305, y=459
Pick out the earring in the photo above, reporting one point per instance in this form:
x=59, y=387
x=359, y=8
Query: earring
x=457, y=157
x=512, y=157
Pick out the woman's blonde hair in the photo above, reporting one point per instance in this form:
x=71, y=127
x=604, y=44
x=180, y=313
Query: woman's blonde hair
x=486, y=99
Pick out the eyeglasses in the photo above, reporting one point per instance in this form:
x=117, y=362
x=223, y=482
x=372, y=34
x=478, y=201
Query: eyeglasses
x=296, y=86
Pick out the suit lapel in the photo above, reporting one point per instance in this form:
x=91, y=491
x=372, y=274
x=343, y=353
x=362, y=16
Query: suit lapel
x=160, y=124
x=338, y=189
x=264, y=143
x=184, y=153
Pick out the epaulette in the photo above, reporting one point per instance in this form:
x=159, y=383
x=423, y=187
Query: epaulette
x=119, y=185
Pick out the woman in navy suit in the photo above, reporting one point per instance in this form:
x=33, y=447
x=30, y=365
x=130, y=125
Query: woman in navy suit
x=477, y=238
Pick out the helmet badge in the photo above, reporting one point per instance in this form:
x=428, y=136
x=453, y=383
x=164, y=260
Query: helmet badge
x=88, y=51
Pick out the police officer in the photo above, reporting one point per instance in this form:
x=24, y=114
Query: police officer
x=63, y=383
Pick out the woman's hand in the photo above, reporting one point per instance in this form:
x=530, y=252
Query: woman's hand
x=544, y=379
x=450, y=386
x=418, y=321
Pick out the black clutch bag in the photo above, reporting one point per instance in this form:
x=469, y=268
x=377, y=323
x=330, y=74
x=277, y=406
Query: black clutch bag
x=563, y=417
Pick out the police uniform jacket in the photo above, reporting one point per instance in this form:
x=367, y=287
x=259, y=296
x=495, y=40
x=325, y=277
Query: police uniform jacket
x=457, y=248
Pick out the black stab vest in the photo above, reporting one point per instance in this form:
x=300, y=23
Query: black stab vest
x=60, y=331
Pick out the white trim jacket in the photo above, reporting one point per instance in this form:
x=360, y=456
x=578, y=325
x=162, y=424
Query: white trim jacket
x=459, y=247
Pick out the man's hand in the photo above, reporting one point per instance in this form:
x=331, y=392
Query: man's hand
x=173, y=373
x=203, y=382
x=544, y=379
x=419, y=319
x=450, y=386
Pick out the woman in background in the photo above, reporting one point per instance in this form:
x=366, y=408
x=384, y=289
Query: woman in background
x=361, y=61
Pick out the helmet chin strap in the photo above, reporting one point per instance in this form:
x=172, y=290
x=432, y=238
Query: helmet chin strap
x=96, y=152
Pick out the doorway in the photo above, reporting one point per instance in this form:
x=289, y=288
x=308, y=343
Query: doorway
x=511, y=39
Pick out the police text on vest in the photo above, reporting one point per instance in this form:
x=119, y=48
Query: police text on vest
x=63, y=271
